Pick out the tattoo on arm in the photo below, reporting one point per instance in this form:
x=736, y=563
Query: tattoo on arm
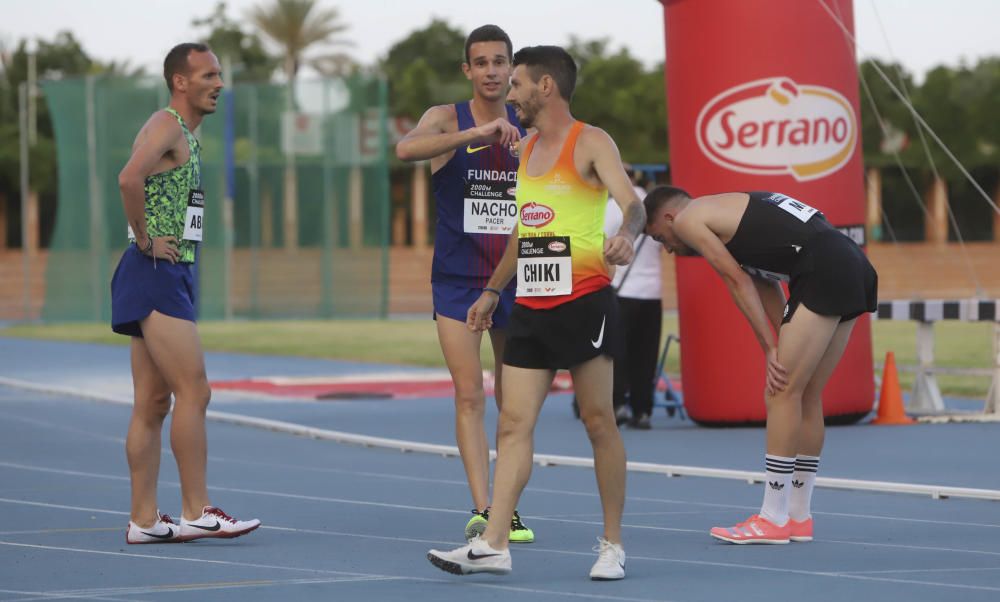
x=634, y=221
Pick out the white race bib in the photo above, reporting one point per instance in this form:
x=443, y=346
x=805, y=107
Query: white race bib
x=544, y=266
x=490, y=207
x=194, y=215
x=489, y=216
x=800, y=210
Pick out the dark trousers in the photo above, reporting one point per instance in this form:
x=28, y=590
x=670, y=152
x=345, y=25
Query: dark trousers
x=635, y=362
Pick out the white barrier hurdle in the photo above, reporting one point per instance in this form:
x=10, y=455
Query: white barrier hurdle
x=926, y=394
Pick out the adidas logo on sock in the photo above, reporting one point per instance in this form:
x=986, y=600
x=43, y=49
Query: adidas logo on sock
x=776, y=485
x=797, y=484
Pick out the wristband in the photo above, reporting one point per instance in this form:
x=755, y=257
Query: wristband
x=487, y=289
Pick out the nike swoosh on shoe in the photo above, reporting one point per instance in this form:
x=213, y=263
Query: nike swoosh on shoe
x=472, y=556
x=170, y=533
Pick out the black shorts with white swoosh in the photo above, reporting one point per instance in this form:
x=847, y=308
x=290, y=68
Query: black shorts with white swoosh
x=564, y=336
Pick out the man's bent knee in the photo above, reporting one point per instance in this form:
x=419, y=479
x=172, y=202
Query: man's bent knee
x=512, y=426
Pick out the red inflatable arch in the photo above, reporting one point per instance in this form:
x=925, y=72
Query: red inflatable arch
x=762, y=95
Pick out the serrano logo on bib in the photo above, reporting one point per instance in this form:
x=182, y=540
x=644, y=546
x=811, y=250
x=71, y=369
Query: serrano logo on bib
x=536, y=215
x=557, y=246
x=776, y=126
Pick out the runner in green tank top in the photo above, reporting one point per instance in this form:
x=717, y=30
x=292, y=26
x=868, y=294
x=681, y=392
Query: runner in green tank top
x=167, y=196
x=154, y=304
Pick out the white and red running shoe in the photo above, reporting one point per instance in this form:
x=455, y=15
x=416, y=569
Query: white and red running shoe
x=213, y=522
x=164, y=530
x=755, y=529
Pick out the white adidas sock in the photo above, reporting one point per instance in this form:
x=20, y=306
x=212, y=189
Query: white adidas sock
x=776, y=488
x=800, y=501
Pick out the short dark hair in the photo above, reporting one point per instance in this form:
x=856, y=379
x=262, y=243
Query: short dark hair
x=553, y=61
x=660, y=196
x=488, y=33
x=177, y=60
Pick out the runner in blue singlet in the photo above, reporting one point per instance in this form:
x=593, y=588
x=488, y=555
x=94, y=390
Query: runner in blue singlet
x=469, y=145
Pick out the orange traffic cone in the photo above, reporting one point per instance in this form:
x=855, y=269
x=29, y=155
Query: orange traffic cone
x=890, y=402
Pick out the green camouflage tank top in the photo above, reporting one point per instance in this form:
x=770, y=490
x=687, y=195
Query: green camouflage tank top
x=167, y=195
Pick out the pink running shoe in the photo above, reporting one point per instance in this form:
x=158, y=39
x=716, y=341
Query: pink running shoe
x=755, y=529
x=801, y=530
x=215, y=523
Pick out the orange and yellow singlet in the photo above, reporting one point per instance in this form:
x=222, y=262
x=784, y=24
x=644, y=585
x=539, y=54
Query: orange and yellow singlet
x=560, y=231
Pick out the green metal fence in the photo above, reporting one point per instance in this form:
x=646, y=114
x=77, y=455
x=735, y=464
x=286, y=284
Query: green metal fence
x=301, y=231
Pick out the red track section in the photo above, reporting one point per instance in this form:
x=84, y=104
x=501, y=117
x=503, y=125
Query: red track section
x=369, y=386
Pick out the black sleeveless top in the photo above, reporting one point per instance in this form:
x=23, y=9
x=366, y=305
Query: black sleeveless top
x=772, y=233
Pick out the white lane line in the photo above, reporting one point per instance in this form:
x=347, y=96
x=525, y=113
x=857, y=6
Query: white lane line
x=579, y=522
x=666, y=560
x=186, y=559
x=447, y=510
x=930, y=570
x=51, y=531
x=332, y=572
x=33, y=596
x=62, y=506
x=196, y=587
x=934, y=491
x=463, y=484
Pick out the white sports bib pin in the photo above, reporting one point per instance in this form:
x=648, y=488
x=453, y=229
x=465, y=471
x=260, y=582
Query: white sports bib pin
x=544, y=266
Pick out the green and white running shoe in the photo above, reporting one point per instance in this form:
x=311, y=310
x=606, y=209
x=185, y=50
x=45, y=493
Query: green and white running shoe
x=519, y=533
x=476, y=525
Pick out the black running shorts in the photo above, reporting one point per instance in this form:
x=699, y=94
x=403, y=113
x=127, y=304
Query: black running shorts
x=833, y=277
x=564, y=336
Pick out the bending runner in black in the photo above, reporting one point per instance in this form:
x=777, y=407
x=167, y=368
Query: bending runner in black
x=755, y=241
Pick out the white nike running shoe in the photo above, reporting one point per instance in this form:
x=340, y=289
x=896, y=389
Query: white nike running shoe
x=164, y=530
x=475, y=557
x=213, y=522
x=610, y=563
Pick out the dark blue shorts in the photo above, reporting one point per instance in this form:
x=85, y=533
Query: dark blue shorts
x=138, y=288
x=454, y=302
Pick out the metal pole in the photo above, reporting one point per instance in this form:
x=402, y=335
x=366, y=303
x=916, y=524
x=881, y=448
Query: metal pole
x=326, y=304
x=94, y=188
x=22, y=94
x=386, y=202
x=229, y=134
x=253, y=176
x=32, y=93
x=992, y=405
